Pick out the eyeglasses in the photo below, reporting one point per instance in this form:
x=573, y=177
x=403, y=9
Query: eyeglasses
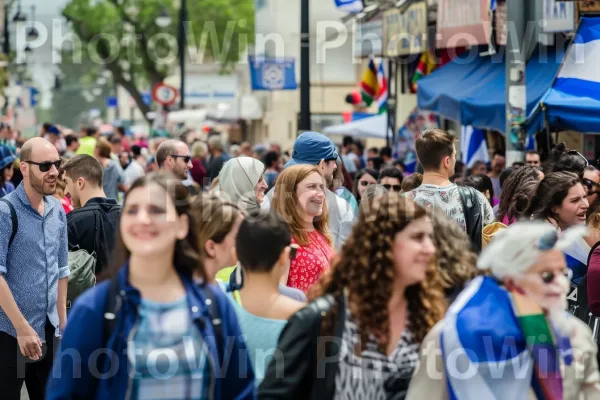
x=365, y=183
x=394, y=188
x=590, y=184
x=548, y=277
x=293, y=251
x=186, y=159
x=45, y=166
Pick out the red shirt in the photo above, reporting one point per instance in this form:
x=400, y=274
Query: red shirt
x=66, y=203
x=310, y=262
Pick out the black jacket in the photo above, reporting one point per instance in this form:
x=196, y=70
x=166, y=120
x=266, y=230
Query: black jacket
x=310, y=360
x=94, y=227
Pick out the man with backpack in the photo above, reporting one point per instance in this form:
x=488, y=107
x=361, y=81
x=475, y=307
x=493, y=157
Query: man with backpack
x=33, y=273
x=471, y=210
x=92, y=225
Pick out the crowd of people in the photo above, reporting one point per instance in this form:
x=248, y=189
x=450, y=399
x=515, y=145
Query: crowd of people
x=183, y=268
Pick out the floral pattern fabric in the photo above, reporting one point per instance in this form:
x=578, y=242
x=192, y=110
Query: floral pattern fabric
x=310, y=263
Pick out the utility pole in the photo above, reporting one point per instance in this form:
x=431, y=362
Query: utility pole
x=516, y=94
x=304, y=66
x=182, y=48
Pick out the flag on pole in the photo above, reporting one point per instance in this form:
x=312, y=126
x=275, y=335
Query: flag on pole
x=368, y=85
x=473, y=146
x=382, y=93
x=349, y=6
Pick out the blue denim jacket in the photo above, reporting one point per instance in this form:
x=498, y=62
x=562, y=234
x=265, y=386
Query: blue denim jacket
x=72, y=378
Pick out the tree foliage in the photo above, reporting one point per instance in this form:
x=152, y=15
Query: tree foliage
x=123, y=37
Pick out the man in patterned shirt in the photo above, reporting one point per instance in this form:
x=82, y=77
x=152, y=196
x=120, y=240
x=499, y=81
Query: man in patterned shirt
x=34, y=270
x=437, y=154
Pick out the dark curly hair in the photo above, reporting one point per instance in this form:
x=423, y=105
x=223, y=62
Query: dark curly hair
x=516, y=192
x=551, y=192
x=563, y=159
x=365, y=271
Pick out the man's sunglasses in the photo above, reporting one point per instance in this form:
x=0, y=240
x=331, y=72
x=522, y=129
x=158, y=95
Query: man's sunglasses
x=548, y=277
x=393, y=188
x=186, y=159
x=46, y=165
x=590, y=184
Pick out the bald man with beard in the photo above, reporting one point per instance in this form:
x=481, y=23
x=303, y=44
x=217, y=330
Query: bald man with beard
x=34, y=270
x=174, y=156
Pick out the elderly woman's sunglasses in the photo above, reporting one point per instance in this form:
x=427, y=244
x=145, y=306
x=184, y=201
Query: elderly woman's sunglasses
x=548, y=277
x=46, y=165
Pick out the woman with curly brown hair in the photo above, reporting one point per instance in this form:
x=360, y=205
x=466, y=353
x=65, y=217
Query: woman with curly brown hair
x=359, y=339
x=299, y=200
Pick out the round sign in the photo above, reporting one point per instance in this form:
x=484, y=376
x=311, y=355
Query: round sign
x=164, y=94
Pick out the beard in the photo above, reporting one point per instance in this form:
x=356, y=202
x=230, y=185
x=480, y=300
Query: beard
x=41, y=186
x=180, y=172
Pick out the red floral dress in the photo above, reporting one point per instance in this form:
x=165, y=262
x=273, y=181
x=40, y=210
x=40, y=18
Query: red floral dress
x=311, y=261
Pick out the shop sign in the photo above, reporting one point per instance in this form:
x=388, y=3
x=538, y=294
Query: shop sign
x=405, y=32
x=559, y=16
x=367, y=39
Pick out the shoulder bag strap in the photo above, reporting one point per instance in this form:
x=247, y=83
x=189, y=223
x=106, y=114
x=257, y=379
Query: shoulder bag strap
x=15, y=221
x=215, y=316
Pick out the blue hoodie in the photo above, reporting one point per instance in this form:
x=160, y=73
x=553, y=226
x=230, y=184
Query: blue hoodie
x=71, y=377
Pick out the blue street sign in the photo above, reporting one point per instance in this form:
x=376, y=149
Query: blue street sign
x=111, y=102
x=272, y=74
x=147, y=97
x=34, y=97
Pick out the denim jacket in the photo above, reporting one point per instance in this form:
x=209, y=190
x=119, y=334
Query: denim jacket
x=81, y=348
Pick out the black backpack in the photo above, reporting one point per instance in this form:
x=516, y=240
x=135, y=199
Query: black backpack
x=473, y=217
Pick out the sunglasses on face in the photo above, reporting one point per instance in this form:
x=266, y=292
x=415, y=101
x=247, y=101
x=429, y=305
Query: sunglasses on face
x=548, y=277
x=186, y=159
x=366, y=183
x=590, y=184
x=392, y=188
x=45, y=166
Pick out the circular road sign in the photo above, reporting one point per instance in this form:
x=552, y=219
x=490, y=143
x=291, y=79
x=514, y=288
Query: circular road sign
x=164, y=94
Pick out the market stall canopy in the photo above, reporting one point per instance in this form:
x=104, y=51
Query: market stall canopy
x=472, y=89
x=573, y=101
x=188, y=116
x=372, y=127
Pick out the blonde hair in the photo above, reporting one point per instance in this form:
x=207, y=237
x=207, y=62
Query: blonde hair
x=199, y=150
x=104, y=148
x=285, y=203
x=214, y=219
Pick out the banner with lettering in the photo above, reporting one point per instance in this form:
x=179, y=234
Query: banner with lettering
x=559, y=16
x=405, y=32
x=462, y=23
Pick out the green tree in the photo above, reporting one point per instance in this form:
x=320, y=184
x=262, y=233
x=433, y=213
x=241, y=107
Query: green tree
x=123, y=37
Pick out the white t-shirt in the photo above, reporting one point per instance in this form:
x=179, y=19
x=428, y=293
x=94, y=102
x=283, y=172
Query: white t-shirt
x=447, y=198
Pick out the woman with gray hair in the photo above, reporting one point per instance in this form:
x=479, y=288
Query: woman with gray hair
x=510, y=330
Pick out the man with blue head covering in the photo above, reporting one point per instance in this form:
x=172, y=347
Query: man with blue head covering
x=316, y=149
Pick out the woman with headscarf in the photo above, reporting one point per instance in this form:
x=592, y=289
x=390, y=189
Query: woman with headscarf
x=510, y=330
x=241, y=182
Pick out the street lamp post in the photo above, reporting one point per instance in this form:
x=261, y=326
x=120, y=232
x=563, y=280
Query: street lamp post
x=305, y=120
x=182, y=47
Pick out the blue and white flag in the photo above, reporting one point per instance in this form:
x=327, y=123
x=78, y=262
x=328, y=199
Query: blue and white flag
x=578, y=75
x=272, y=73
x=473, y=146
x=349, y=6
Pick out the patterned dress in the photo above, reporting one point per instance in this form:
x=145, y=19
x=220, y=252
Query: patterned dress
x=310, y=262
x=364, y=375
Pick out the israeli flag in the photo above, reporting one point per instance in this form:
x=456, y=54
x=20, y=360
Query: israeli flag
x=349, y=6
x=473, y=146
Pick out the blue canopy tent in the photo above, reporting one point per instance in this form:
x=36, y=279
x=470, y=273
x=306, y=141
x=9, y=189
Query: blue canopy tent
x=573, y=101
x=472, y=90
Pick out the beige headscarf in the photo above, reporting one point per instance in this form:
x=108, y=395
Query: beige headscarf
x=237, y=181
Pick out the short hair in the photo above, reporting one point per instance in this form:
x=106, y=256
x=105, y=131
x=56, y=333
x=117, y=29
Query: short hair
x=385, y=152
x=115, y=139
x=91, y=131
x=136, y=150
x=347, y=141
x=481, y=183
x=391, y=172
x=432, y=146
x=374, y=150
x=70, y=139
x=478, y=163
x=215, y=142
x=534, y=152
x=499, y=153
x=412, y=182
x=46, y=126
x=121, y=130
x=271, y=158
x=165, y=150
x=86, y=167
x=260, y=240
x=104, y=148
x=199, y=149
x=377, y=162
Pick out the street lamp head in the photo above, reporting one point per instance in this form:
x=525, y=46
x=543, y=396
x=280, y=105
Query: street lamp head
x=164, y=19
x=32, y=33
x=19, y=17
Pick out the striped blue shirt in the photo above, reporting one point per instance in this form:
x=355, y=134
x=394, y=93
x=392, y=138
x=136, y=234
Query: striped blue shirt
x=36, y=260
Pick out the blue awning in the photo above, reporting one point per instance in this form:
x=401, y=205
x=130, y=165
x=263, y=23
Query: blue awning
x=471, y=89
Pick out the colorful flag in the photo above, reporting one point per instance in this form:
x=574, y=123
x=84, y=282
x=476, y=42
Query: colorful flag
x=368, y=85
x=426, y=65
x=382, y=93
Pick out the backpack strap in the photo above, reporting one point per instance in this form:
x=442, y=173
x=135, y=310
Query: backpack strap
x=473, y=217
x=215, y=316
x=15, y=221
x=111, y=308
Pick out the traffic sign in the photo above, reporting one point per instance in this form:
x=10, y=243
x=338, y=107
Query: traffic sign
x=164, y=94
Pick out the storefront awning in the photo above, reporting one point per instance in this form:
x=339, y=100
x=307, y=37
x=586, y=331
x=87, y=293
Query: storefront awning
x=472, y=89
